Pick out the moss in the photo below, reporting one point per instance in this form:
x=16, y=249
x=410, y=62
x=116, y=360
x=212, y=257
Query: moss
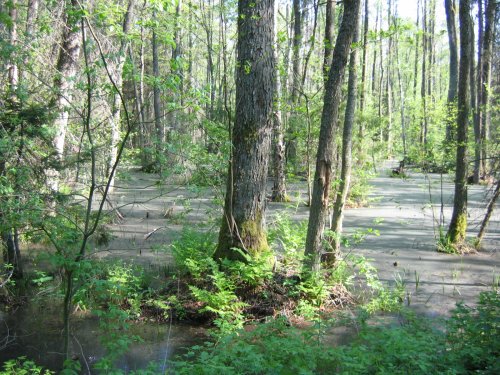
x=457, y=233
x=253, y=236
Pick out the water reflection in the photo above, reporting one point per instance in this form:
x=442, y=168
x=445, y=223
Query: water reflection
x=35, y=331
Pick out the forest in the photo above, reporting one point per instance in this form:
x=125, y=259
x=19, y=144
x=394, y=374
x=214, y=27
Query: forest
x=249, y=187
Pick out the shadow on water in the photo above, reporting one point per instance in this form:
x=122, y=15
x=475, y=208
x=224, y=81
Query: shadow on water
x=34, y=330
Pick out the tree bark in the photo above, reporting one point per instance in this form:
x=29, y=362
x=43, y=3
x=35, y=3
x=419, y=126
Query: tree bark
x=291, y=147
x=329, y=127
x=160, y=131
x=13, y=71
x=116, y=106
x=329, y=30
x=279, y=186
x=487, y=216
x=243, y=223
x=345, y=174
x=67, y=63
x=450, y=9
x=488, y=40
x=458, y=224
x=477, y=114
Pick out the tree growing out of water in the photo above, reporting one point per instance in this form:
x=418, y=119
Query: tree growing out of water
x=458, y=224
x=328, y=130
x=245, y=202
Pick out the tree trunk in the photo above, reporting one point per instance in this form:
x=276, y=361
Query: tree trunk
x=423, y=87
x=488, y=40
x=329, y=127
x=489, y=212
x=243, y=224
x=12, y=69
x=279, y=187
x=160, y=131
x=67, y=63
x=477, y=114
x=116, y=108
x=329, y=30
x=450, y=8
x=291, y=147
x=458, y=224
x=363, y=74
x=345, y=174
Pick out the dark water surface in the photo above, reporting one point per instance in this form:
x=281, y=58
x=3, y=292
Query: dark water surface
x=35, y=331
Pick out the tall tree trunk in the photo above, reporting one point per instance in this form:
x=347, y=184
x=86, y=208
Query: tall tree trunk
x=477, y=114
x=345, y=174
x=458, y=224
x=329, y=127
x=329, y=30
x=450, y=8
x=423, y=87
x=67, y=63
x=243, y=224
x=116, y=106
x=159, y=129
x=12, y=68
x=279, y=187
x=417, y=45
x=362, y=93
x=488, y=41
x=291, y=147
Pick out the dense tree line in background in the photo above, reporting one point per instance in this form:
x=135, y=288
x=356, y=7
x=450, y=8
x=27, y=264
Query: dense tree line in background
x=237, y=93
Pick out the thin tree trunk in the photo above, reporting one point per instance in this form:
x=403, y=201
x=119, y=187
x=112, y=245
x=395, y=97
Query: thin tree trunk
x=243, y=224
x=478, y=125
x=116, y=108
x=458, y=224
x=67, y=63
x=160, y=131
x=329, y=127
x=329, y=30
x=291, y=151
x=488, y=41
x=362, y=92
x=279, y=187
x=345, y=174
x=450, y=8
x=423, y=87
x=489, y=212
x=12, y=69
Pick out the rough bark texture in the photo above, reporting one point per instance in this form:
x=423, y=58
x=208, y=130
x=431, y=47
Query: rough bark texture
x=243, y=222
x=478, y=93
x=322, y=176
x=453, y=78
x=345, y=174
x=329, y=29
x=458, y=224
x=67, y=63
x=488, y=39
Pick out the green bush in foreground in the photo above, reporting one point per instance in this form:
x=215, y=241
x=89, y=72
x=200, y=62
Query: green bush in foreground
x=468, y=345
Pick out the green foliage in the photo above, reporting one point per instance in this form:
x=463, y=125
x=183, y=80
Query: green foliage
x=23, y=366
x=469, y=344
x=289, y=237
x=473, y=334
x=271, y=348
x=254, y=271
x=220, y=299
x=193, y=252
